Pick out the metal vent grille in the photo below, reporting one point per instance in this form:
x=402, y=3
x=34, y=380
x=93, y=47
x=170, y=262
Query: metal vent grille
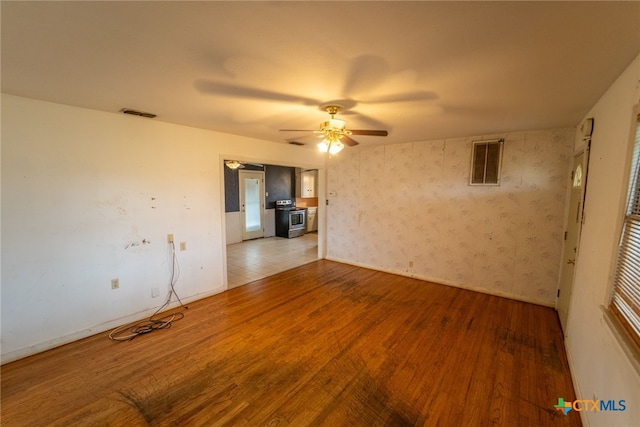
x=486, y=162
x=137, y=113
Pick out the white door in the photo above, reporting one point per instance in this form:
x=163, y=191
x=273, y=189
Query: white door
x=574, y=222
x=252, y=204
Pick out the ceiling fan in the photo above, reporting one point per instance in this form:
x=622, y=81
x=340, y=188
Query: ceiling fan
x=334, y=133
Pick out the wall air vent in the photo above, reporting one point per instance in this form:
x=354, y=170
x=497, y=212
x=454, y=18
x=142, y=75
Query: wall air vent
x=137, y=113
x=486, y=162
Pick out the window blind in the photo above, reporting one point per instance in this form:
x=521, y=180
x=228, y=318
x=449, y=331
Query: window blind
x=625, y=300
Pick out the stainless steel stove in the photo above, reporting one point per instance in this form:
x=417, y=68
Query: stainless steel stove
x=290, y=221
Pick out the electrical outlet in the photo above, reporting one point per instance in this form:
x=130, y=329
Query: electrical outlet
x=410, y=264
x=155, y=292
x=169, y=238
x=115, y=283
x=183, y=246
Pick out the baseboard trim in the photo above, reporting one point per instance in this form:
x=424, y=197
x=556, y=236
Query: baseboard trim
x=576, y=384
x=550, y=304
x=21, y=353
x=59, y=341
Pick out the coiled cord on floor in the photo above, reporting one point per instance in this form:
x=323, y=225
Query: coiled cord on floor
x=129, y=332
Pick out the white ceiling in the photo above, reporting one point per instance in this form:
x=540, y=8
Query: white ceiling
x=421, y=70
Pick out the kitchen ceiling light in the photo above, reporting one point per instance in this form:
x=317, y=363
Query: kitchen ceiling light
x=233, y=164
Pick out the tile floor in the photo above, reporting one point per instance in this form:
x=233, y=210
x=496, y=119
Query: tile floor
x=254, y=259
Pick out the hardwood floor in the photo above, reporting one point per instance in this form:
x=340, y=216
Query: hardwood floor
x=322, y=344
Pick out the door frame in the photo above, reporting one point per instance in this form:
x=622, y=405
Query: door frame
x=224, y=223
x=565, y=288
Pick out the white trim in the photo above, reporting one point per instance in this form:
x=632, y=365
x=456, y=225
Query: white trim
x=622, y=338
x=586, y=152
x=576, y=385
x=549, y=304
x=97, y=329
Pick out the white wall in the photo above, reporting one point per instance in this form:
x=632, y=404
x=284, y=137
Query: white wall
x=89, y=196
x=411, y=202
x=270, y=222
x=234, y=227
x=599, y=364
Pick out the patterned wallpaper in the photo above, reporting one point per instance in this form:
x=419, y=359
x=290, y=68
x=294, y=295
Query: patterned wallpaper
x=408, y=209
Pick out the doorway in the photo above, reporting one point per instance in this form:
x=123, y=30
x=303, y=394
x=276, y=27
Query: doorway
x=254, y=252
x=252, y=204
x=574, y=222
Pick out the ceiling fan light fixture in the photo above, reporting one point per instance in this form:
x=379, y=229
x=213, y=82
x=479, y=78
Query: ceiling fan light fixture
x=334, y=132
x=333, y=125
x=337, y=124
x=323, y=146
x=332, y=147
x=336, y=147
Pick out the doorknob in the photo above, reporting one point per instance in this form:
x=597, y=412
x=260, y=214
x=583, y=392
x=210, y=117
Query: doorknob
x=571, y=261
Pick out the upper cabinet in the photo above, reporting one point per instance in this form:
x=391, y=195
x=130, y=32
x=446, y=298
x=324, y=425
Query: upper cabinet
x=309, y=184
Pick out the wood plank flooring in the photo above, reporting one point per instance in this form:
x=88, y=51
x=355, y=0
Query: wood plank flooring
x=325, y=344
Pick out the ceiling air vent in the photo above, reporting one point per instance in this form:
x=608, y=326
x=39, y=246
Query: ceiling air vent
x=137, y=113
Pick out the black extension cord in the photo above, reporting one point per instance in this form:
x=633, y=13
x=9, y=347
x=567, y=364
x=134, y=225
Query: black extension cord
x=129, y=332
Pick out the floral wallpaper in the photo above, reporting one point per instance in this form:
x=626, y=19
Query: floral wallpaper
x=408, y=209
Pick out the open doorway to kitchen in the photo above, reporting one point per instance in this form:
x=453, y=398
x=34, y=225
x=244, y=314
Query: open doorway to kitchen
x=256, y=259
x=251, y=258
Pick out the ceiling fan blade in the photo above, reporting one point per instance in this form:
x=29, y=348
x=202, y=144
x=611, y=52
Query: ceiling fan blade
x=366, y=72
x=302, y=139
x=296, y=130
x=348, y=141
x=369, y=132
x=369, y=121
x=238, y=91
